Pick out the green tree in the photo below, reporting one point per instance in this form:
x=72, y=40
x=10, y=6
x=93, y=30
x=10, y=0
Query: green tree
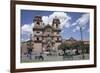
x=64, y=47
x=86, y=47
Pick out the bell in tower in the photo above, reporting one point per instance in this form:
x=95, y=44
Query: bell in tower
x=37, y=21
x=56, y=22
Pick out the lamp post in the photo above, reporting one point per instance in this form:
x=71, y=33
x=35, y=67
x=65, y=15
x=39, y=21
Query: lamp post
x=81, y=41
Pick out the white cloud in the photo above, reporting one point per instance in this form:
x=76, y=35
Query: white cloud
x=76, y=28
x=73, y=24
x=82, y=21
x=65, y=24
x=45, y=19
x=62, y=16
x=62, y=31
x=26, y=30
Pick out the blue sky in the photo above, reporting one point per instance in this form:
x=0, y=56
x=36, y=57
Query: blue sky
x=70, y=22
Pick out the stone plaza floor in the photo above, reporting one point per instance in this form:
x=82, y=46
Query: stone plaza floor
x=26, y=59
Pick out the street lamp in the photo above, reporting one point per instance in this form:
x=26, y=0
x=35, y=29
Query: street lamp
x=81, y=40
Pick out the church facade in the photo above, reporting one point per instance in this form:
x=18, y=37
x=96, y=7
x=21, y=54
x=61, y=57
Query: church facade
x=45, y=37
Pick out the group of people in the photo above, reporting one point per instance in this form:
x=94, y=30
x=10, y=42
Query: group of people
x=37, y=57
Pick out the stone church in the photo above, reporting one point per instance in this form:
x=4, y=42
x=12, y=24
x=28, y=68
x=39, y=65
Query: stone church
x=45, y=37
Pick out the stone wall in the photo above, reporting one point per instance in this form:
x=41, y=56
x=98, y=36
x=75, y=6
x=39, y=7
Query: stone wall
x=37, y=47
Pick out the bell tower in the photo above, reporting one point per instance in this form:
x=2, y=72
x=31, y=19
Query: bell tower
x=37, y=21
x=37, y=31
x=56, y=22
x=56, y=31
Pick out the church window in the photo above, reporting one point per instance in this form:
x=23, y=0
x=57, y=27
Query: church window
x=48, y=35
x=57, y=32
x=38, y=32
x=57, y=25
x=38, y=23
x=57, y=39
x=37, y=39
